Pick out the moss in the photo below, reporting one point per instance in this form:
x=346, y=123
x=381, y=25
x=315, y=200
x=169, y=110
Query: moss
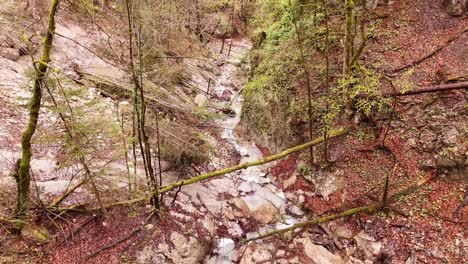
x=24, y=178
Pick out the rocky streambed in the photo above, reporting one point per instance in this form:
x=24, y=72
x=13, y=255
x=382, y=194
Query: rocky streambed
x=244, y=204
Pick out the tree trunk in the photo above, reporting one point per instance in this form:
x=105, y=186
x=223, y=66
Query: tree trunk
x=24, y=178
x=348, y=44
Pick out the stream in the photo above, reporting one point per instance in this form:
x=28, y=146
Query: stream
x=252, y=186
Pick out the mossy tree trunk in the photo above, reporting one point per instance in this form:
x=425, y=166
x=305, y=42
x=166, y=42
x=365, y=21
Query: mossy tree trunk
x=23, y=178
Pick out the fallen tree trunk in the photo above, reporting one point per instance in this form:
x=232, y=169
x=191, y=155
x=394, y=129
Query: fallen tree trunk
x=364, y=209
x=430, y=54
x=246, y=165
x=115, y=90
x=206, y=176
x=429, y=89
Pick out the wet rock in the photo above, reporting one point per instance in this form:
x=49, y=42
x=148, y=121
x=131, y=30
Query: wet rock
x=368, y=244
x=265, y=214
x=255, y=253
x=319, y=254
x=226, y=96
x=200, y=100
x=10, y=54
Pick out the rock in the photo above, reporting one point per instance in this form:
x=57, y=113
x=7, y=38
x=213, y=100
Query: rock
x=229, y=214
x=451, y=137
x=255, y=253
x=351, y=260
x=10, y=54
x=290, y=181
x=368, y=244
x=40, y=235
x=183, y=249
x=455, y=8
x=200, y=100
x=428, y=140
x=445, y=162
x=343, y=232
x=327, y=183
x=412, y=142
x=294, y=209
x=226, y=96
x=265, y=214
x=240, y=208
x=149, y=226
x=319, y=254
x=428, y=164
x=210, y=226
x=148, y=255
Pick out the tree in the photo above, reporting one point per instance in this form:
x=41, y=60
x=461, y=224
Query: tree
x=22, y=176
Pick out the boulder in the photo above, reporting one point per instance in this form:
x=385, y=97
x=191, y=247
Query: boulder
x=368, y=244
x=200, y=100
x=265, y=214
x=319, y=254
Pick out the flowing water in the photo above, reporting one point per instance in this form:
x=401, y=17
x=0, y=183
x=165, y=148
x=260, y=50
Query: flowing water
x=253, y=184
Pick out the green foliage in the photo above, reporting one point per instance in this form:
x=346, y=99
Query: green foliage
x=205, y=114
x=303, y=169
x=404, y=82
x=362, y=81
x=372, y=31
